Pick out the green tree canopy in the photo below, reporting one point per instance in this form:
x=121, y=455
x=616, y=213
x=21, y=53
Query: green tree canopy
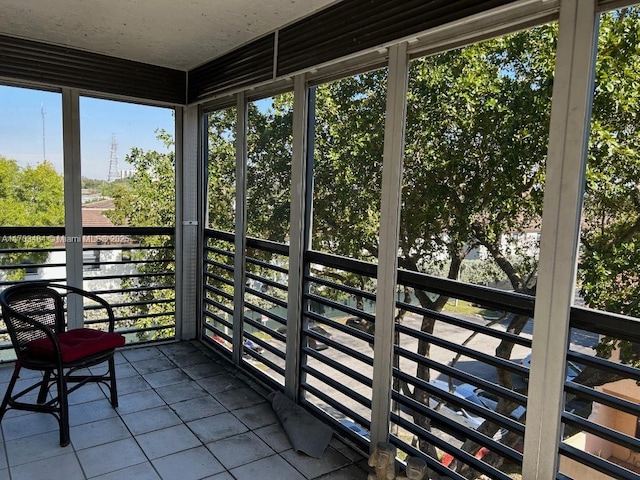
x=30, y=196
x=148, y=199
x=609, y=269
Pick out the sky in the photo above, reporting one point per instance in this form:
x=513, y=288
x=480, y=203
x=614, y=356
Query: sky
x=28, y=136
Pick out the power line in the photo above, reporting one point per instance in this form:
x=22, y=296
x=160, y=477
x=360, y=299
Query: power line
x=44, y=151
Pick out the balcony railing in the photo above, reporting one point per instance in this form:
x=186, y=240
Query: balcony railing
x=265, y=302
x=133, y=268
x=460, y=374
x=608, y=440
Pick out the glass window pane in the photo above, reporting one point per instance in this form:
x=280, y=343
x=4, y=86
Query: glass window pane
x=348, y=143
x=269, y=168
x=219, y=249
x=609, y=256
x=473, y=183
x=128, y=179
x=128, y=160
x=221, y=168
x=31, y=184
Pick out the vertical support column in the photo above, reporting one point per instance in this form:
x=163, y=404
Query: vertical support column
x=564, y=186
x=72, y=200
x=241, y=227
x=187, y=224
x=298, y=235
x=389, y=230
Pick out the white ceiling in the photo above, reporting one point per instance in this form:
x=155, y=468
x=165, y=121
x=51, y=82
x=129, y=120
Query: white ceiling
x=179, y=34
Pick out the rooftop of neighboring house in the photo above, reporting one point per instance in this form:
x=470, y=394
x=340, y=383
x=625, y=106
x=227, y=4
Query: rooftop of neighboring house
x=93, y=213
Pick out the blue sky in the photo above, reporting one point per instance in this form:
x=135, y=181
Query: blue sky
x=21, y=129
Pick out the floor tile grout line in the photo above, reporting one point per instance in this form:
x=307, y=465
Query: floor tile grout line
x=133, y=436
x=244, y=383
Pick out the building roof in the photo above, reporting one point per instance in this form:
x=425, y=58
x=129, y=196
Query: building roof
x=93, y=213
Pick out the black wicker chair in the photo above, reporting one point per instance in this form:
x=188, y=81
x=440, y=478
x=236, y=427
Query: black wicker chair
x=35, y=316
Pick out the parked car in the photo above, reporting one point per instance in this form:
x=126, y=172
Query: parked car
x=316, y=344
x=312, y=342
x=251, y=345
x=479, y=397
x=573, y=369
x=453, y=412
x=354, y=427
x=482, y=398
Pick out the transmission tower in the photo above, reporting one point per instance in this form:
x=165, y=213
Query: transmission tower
x=114, y=171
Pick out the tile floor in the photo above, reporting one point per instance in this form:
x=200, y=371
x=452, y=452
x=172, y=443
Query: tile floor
x=182, y=415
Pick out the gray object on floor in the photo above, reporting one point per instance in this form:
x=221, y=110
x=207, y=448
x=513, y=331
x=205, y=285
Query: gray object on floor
x=306, y=433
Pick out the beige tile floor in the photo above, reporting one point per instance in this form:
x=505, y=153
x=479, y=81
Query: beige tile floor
x=183, y=415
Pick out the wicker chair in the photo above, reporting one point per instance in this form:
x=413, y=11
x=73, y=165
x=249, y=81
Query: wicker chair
x=35, y=316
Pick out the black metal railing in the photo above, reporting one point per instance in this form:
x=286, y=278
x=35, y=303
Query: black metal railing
x=458, y=382
x=265, y=302
x=601, y=418
x=461, y=357
x=265, y=309
x=337, y=364
x=218, y=289
x=132, y=267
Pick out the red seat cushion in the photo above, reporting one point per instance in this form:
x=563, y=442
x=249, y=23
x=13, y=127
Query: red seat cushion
x=76, y=344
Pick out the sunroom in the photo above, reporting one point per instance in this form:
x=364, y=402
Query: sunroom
x=417, y=219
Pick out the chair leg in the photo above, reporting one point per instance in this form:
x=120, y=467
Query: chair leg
x=65, y=437
x=7, y=395
x=112, y=383
x=44, y=388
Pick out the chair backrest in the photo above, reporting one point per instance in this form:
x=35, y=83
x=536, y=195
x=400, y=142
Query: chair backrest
x=30, y=310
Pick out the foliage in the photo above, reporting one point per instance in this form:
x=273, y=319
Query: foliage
x=348, y=144
x=269, y=140
x=610, y=257
x=468, y=140
x=103, y=188
x=29, y=196
x=148, y=200
x=221, y=164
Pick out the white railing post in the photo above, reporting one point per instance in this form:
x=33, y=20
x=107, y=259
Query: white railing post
x=72, y=201
x=564, y=187
x=240, y=227
x=393, y=154
x=188, y=218
x=298, y=235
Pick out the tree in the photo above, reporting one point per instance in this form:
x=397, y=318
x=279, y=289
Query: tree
x=148, y=200
x=221, y=165
x=348, y=144
x=29, y=196
x=610, y=258
x=476, y=144
x=269, y=141
x=477, y=132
